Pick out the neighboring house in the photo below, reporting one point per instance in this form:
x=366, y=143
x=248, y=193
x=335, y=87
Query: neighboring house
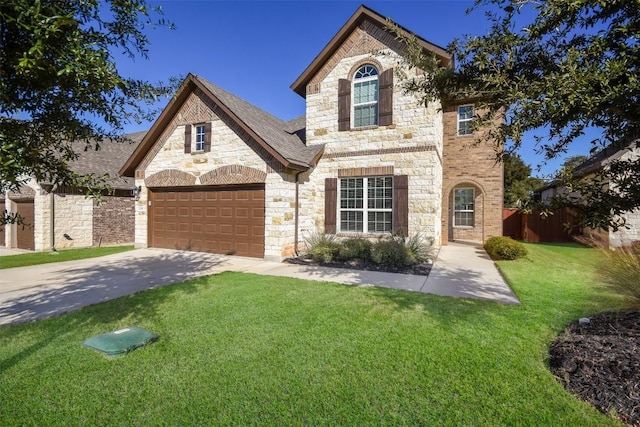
x=220, y=175
x=61, y=217
x=587, y=170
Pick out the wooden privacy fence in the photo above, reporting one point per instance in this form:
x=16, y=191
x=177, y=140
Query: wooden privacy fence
x=533, y=227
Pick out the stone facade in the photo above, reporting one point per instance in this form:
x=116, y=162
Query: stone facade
x=411, y=145
x=77, y=221
x=468, y=164
x=418, y=146
x=232, y=160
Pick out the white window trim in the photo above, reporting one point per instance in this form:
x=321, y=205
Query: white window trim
x=196, y=133
x=365, y=206
x=458, y=120
x=473, y=211
x=353, y=94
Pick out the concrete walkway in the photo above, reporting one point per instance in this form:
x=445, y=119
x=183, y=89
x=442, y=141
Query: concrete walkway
x=35, y=292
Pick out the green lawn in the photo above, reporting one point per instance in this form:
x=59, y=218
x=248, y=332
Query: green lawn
x=36, y=258
x=241, y=349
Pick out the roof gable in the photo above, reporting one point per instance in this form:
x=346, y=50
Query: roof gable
x=363, y=14
x=267, y=130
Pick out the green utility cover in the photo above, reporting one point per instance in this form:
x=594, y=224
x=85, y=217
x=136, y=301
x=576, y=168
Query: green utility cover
x=120, y=342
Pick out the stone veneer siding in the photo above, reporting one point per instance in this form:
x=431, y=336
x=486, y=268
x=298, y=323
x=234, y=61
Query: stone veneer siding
x=78, y=221
x=233, y=159
x=411, y=146
x=113, y=221
x=470, y=165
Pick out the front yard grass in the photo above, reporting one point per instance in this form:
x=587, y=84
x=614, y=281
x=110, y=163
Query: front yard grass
x=35, y=258
x=242, y=349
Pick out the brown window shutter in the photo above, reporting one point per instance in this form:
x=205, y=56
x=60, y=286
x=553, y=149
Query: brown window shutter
x=386, y=98
x=187, y=138
x=330, y=204
x=401, y=205
x=207, y=137
x=344, y=104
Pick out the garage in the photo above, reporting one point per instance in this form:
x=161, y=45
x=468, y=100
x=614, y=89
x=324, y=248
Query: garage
x=228, y=220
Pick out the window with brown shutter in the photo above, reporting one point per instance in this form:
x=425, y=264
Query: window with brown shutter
x=187, y=138
x=344, y=104
x=369, y=205
x=386, y=98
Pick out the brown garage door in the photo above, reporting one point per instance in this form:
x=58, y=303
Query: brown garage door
x=24, y=232
x=222, y=221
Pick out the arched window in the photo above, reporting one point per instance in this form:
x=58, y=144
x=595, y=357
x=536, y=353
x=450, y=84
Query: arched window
x=365, y=97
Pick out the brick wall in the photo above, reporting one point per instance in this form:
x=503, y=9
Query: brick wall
x=470, y=165
x=113, y=221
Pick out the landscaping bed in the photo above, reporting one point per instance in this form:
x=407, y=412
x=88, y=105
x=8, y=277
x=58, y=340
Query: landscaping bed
x=599, y=361
x=420, y=269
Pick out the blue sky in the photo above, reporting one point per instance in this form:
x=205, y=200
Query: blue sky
x=256, y=49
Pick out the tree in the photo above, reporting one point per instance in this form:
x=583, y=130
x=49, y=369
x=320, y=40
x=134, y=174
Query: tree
x=556, y=68
x=59, y=83
x=570, y=163
x=518, y=182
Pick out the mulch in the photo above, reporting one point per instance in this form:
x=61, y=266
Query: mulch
x=599, y=361
x=421, y=269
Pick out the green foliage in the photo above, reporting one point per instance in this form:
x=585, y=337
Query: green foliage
x=297, y=345
x=570, y=163
x=418, y=246
x=58, y=78
x=316, y=238
x=518, y=182
x=355, y=248
x=37, y=258
x=502, y=247
x=556, y=69
x=391, y=252
x=323, y=247
x=620, y=270
x=395, y=250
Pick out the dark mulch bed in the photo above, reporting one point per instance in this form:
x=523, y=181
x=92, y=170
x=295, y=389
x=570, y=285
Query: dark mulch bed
x=421, y=269
x=599, y=362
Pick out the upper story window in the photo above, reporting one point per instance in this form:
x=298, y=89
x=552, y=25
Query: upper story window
x=365, y=97
x=200, y=137
x=465, y=120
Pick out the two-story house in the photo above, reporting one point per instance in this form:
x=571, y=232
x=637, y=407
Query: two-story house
x=220, y=175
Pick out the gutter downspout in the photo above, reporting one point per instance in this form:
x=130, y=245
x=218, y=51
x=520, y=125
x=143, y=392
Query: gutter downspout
x=296, y=214
x=52, y=218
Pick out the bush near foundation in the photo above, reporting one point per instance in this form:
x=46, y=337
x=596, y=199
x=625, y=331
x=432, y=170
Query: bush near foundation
x=620, y=271
x=323, y=247
x=502, y=247
x=392, y=253
x=355, y=248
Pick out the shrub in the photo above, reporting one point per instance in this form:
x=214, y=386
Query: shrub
x=322, y=247
x=502, y=247
x=325, y=252
x=316, y=238
x=355, y=248
x=418, y=246
x=620, y=271
x=391, y=252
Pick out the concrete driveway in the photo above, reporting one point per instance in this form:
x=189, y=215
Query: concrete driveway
x=36, y=292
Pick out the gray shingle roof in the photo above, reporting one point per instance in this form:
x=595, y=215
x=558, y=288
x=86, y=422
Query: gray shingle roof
x=108, y=159
x=286, y=138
